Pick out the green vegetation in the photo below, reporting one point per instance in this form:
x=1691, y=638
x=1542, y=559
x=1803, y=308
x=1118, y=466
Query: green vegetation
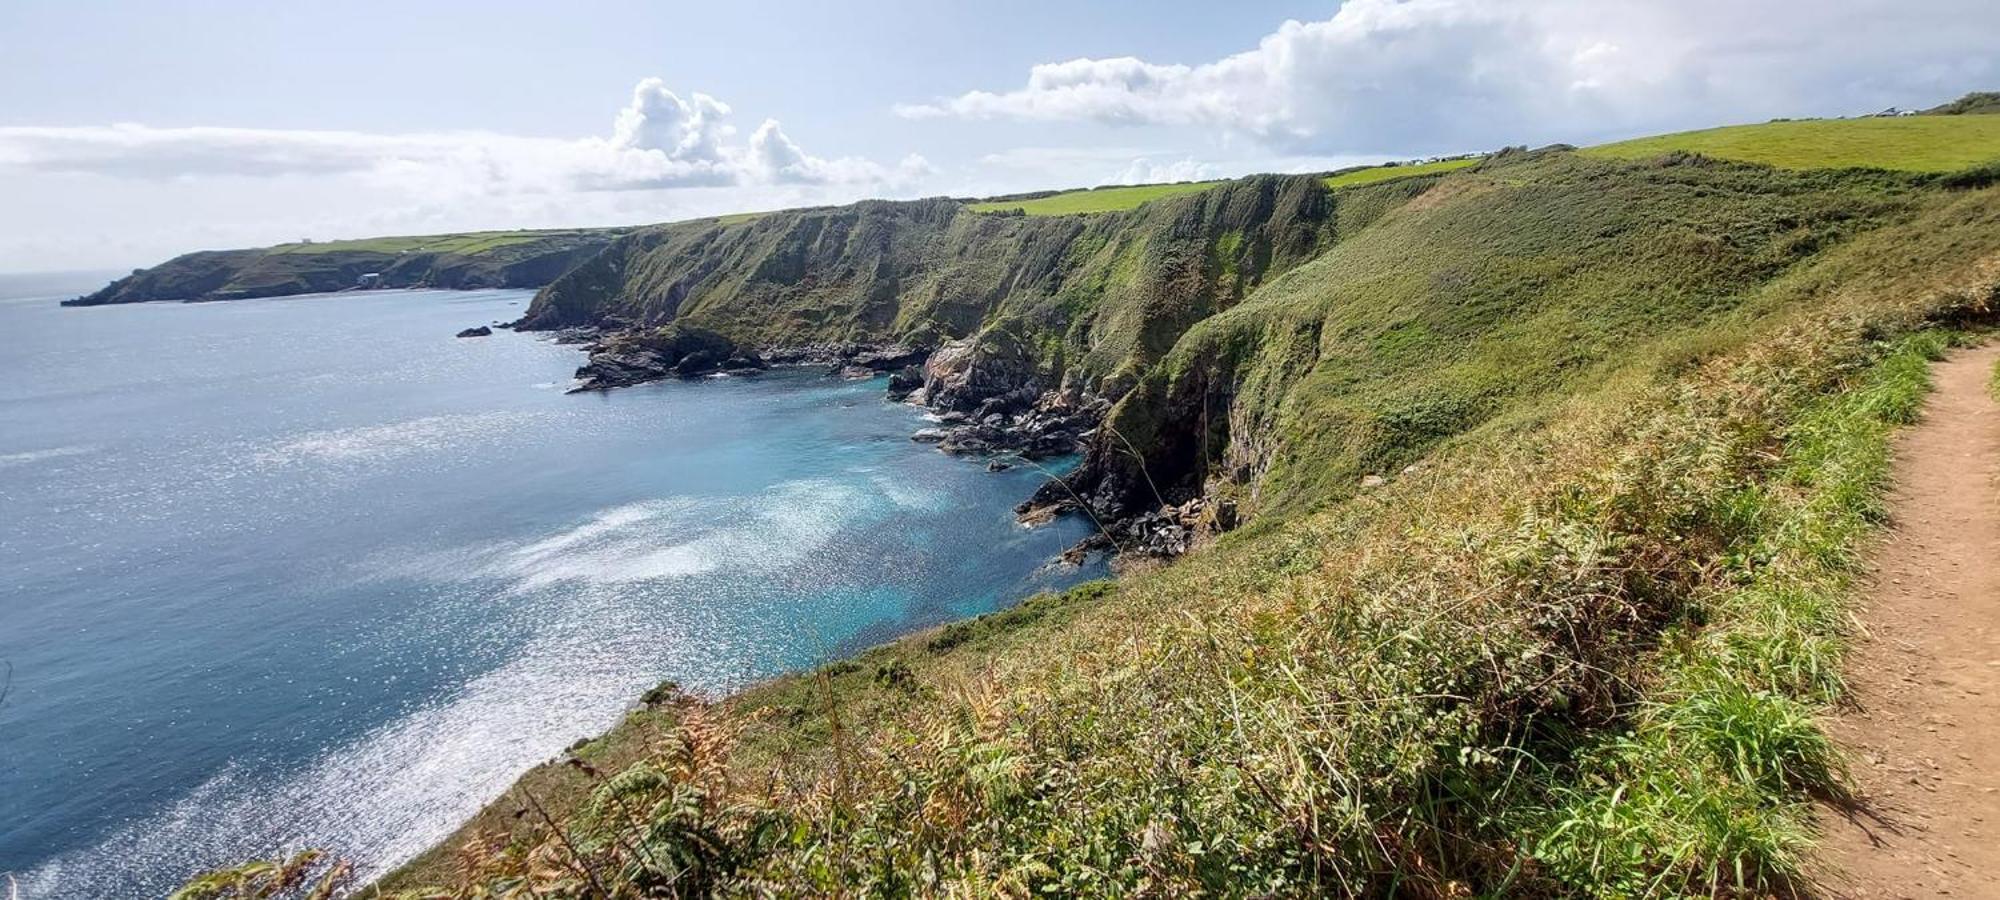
x=473, y=260
x=1632, y=419
x=1095, y=200
x=1374, y=174
x=467, y=243
x=1101, y=295
x=1909, y=143
x=1583, y=659
x=1976, y=103
x=1113, y=199
x=1556, y=471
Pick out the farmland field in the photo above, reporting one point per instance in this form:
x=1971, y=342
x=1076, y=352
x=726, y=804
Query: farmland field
x=1910, y=143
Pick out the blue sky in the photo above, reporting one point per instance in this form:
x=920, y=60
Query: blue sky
x=132, y=131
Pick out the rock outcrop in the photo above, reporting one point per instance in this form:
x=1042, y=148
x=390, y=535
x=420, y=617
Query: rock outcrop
x=672, y=351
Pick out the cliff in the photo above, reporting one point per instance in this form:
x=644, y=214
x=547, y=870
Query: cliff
x=506, y=259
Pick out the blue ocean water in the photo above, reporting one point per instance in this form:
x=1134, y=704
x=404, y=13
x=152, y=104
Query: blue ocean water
x=313, y=572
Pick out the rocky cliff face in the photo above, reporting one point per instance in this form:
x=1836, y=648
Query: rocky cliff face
x=1038, y=324
x=1260, y=348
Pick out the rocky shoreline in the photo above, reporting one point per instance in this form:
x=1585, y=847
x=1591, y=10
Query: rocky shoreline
x=986, y=398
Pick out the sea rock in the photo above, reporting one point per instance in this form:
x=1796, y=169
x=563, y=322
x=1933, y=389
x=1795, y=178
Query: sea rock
x=992, y=372
x=892, y=358
x=479, y=331
x=744, y=361
x=905, y=381
x=582, y=334
x=1053, y=425
x=635, y=357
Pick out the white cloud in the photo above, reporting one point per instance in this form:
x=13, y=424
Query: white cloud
x=657, y=141
x=1147, y=171
x=125, y=195
x=1417, y=76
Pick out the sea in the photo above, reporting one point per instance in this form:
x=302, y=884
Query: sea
x=314, y=573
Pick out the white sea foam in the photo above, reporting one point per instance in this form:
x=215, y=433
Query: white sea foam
x=35, y=456
x=375, y=443
x=392, y=793
x=682, y=538
x=402, y=787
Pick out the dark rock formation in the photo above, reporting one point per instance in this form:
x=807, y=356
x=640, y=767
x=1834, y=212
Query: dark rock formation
x=1053, y=425
x=905, y=381
x=480, y=331
x=636, y=357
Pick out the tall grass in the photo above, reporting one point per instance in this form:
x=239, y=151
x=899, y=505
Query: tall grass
x=1706, y=792
x=1576, y=647
x=1586, y=664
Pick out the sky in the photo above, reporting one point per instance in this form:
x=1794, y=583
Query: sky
x=134, y=131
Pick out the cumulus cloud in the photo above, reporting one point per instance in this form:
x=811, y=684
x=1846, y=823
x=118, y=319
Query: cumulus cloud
x=657, y=141
x=1421, y=75
x=1147, y=171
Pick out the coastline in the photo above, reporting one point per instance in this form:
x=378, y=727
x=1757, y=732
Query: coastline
x=793, y=715
x=838, y=692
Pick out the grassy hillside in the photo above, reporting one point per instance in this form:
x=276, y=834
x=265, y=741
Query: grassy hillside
x=1629, y=421
x=471, y=260
x=1976, y=103
x=1104, y=199
x=1373, y=174
x=1094, y=298
x=1113, y=199
x=467, y=243
x=1490, y=290
x=1941, y=143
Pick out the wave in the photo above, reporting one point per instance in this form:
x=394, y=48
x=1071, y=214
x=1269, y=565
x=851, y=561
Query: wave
x=612, y=603
x=34, y=456
x=383, y=799
x=375, y=443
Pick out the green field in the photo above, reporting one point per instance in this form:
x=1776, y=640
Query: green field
x=464, y=243
x=1094, y=200
x=1385, y=173
x=1912, y=143
x=1113, y=199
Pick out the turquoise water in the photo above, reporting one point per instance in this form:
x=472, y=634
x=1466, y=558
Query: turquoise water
x=312, y=572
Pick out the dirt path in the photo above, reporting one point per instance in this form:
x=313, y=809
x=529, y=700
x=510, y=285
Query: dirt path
x=1925, y=736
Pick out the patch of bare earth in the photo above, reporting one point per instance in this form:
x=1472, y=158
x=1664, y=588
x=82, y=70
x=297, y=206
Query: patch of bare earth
x=1923, y=733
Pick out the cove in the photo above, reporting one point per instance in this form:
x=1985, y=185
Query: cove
x=314, y=572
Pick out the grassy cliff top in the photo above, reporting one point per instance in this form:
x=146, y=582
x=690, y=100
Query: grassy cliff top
x=1929, y=143
x=1940, y=143
x=465, y=243
x=1387, y=171
x=1114, y=199
x=1093, y=200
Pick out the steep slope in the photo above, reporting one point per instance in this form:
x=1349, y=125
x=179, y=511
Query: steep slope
x=478, y=260
x=1092, y=298
x=1271, y=342
x=1577, y=650
x=1489, y=291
